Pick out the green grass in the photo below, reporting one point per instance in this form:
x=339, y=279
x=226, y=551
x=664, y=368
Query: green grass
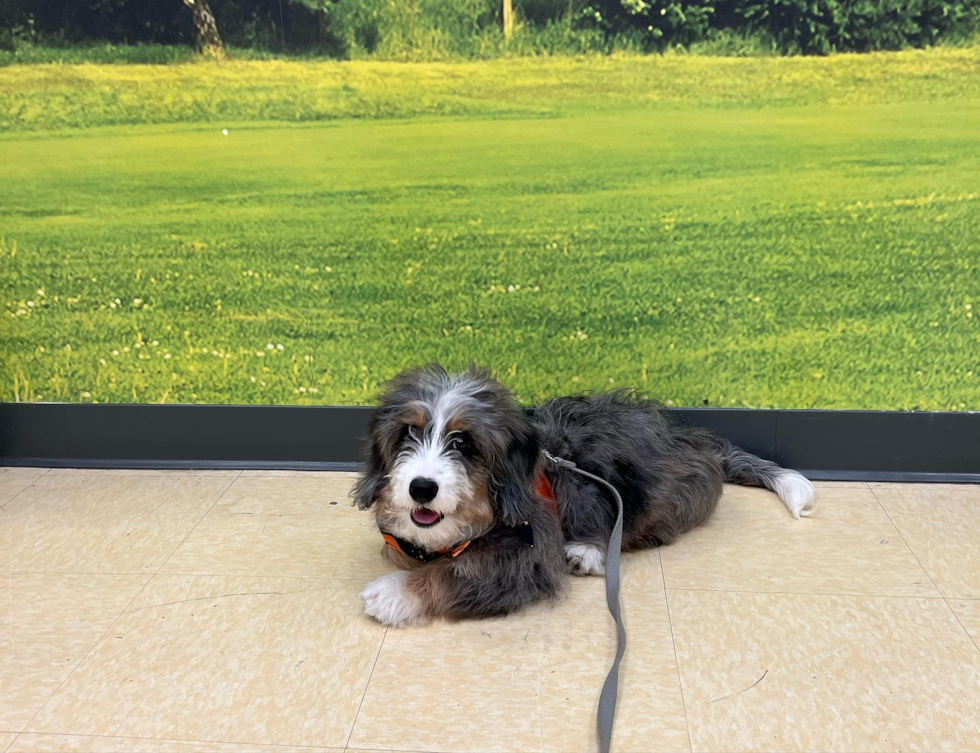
x=764, y=232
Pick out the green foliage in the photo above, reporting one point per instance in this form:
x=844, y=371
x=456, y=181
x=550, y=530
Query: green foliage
x=658, y=23
x=38, y=30
x=730, y=232
x=824, y=26
x=793, y=26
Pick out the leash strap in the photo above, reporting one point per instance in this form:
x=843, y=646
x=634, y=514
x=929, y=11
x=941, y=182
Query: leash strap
x=610, y=688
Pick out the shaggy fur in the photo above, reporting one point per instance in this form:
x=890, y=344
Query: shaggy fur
x=453, y=458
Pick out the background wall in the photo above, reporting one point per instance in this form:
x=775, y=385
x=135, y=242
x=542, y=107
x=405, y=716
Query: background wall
x=277, y=226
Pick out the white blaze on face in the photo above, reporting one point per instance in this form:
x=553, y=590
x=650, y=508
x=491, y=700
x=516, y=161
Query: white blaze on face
x=429, y=458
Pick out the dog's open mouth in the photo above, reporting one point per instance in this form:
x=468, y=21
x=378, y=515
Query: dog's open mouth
x=423, y=517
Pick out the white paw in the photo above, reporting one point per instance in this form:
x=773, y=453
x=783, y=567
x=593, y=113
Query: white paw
x=585, y=559
x=796, y=492
x=389, y=601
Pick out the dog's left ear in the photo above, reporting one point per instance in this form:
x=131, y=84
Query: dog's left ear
x=512, y=484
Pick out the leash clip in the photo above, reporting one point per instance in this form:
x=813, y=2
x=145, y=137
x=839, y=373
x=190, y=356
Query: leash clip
x=558, y=462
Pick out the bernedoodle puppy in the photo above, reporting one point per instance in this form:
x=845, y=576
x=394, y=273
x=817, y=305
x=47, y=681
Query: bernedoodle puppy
x=479, y=523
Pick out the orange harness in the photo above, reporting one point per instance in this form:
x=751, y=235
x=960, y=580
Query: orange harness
x=542, y=488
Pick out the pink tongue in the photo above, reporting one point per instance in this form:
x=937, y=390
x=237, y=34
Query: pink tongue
x=425, y=516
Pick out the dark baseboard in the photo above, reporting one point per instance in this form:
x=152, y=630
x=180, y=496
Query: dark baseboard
x=831, y=445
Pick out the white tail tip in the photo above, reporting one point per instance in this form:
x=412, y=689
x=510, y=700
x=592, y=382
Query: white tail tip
x=796, y=492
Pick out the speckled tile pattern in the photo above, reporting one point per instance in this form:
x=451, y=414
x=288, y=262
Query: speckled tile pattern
x=546, y=667
x=300, y=526
x=787, y=672
x=14, y=480
x=138, y=472
x=752, y=544
x=967, y=611
x=30, y=743
x=941, y=526
x=259, y=660
x=217, y=612
x=101, y=523
x=48, y=623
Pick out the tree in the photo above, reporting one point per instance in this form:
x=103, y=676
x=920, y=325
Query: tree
x=207, y=28
x=508, y=18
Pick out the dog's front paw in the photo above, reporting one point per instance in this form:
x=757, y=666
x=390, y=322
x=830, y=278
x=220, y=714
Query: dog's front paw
x=389, y=601
x=585, y=559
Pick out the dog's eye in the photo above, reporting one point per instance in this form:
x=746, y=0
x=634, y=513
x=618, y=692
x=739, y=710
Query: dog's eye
x=460, y=443
x=413, y=433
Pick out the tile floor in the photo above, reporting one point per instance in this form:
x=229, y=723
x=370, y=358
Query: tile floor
x=191, y=612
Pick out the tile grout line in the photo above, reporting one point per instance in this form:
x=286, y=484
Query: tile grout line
x=10, y=605
x=201, y=520
x=11, y=499
x=673, y=645
x=934, y=585
x=119, y=616
x=366, y=686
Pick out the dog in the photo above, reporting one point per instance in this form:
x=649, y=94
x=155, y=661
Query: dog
x=479, y=524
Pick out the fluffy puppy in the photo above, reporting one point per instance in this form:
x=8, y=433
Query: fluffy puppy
x=479, y=524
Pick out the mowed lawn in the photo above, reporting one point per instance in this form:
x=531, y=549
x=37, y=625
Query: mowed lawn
x=797, y=239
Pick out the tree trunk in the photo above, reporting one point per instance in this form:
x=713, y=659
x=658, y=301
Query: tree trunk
x=508, y=18
x=207, y=28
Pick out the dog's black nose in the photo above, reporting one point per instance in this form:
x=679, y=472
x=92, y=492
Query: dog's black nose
x=423, y=489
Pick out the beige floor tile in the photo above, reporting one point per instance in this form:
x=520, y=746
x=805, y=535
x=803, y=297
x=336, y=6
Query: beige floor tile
x=139, y=472
x=237, y=659
x=105, y=524
x=752, y=544
x=530, y=681
x=785, y=672
x=345, y=476
x=48, y=622
x=942, y=526
x=5, y=739
x=840, y=484
x=284, y=526
x=968, y=490
x=968, y=613
x=29, y=743
x=14, y=480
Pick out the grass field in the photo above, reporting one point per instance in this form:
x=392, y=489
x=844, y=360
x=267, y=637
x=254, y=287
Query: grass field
x=764, y=232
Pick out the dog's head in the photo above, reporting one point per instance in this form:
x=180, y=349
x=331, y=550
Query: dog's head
x=449, y=456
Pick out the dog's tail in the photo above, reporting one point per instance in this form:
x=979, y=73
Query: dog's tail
x=793, y=488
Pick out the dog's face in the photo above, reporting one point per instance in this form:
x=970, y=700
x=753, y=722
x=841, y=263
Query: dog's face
x=449, y=456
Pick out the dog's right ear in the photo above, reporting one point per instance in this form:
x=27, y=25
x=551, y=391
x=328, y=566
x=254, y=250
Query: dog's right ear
x=369, y=485
x=372, y=481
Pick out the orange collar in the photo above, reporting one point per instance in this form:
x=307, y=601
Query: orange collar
x=418, y=553
x=542, y=487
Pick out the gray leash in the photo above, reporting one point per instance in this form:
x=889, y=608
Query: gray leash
x=610, y=688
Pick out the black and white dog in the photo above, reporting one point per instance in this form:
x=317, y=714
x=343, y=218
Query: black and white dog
x=480, y=524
